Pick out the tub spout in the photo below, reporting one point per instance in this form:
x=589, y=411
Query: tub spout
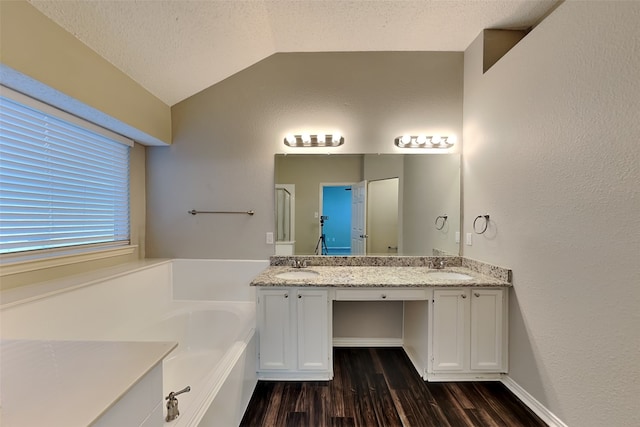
x=172, y=404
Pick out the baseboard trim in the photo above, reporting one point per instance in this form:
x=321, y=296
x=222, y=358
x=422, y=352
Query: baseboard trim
x=367, y=342
x=538, y=408
x=435, y=377
x=295, y=376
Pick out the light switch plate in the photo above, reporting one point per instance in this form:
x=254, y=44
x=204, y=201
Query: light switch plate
x=269, y=238
x=469, y=240
x=457, y=237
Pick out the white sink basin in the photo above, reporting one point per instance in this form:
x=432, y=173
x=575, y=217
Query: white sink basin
x=298, y=274
x=448, y=275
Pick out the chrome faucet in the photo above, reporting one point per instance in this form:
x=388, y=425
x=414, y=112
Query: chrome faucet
x=438, y=265
x=297, y=263
x=172, y=404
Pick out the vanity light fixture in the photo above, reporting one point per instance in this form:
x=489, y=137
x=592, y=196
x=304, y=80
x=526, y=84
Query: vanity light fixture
x=424, y=141
x=308, y=140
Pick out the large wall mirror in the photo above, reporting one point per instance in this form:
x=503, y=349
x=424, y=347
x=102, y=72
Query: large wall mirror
x=367, y=204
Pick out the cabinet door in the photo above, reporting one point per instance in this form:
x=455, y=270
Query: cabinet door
x=486, y=329
x=450, y=333
x=313, y=329
x=274, y=326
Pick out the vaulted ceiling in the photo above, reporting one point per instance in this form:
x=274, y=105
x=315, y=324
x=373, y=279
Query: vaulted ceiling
x=176, y=48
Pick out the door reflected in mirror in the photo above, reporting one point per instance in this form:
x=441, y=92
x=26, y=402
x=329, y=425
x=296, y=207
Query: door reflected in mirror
x=350, y=204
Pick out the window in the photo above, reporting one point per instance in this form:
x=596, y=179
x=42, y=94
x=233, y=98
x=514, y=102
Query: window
x=64, y=182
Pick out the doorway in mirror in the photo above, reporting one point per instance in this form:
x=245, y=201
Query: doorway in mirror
x=336, y=211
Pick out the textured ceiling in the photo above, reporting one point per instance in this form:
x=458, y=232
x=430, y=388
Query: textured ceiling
x=177, y=48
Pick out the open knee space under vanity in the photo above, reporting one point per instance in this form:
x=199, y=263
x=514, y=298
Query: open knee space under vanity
x=452, y=323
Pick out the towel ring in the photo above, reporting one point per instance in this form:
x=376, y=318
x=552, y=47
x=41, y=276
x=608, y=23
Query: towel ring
x=440, y=225
x=486, y=223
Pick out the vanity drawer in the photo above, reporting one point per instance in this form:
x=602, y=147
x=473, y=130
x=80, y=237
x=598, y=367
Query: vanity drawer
x=381, y=294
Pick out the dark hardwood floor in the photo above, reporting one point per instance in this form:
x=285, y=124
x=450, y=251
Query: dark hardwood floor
x=379, y=387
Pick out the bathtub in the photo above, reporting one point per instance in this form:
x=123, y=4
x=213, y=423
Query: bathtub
x=175, y=300
x=213, y=338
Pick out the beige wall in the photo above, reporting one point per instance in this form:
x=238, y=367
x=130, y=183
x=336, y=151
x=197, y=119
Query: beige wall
x=226, y=136
x=431, y=189
x=377, y=320
x=36, y=47
x=41, y=59
x=551, y=153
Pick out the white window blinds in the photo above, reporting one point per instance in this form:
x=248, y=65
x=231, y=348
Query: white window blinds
x=61, y=184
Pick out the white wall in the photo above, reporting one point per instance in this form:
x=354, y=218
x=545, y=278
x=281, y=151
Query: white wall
x=225, y=138
x=551, y=152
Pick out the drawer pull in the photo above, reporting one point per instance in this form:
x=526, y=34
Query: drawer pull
x=299, y=296
x=477, y=295
x=286, y=295
x=384, y=296
x=463, y=295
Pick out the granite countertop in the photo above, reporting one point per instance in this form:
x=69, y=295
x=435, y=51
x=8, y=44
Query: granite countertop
x=376, y=276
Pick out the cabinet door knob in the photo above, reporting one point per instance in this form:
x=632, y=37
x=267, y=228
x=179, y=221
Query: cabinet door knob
x=286, y=295
x=384, y=296
x=476, y=294
x=463, y=295
x=299, y=296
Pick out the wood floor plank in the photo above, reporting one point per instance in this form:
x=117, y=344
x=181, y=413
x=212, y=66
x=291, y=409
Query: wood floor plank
x=460, y=394
x=271, y=414
x=379, y=387
x=510, y=410
x=365, y=414
x=385, y=410
x=482, y=418
x=290, y=393
x=297, y=419
x=319, y=397
x=342, y=422
x=397, y=403
x=450, y=407
x=336, y=388
x=394, y=368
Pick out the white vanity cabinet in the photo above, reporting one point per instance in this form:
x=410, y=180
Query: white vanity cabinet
x=468, y=334
x=294, y=334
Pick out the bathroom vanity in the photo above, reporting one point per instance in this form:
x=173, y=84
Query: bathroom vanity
x=454, y=318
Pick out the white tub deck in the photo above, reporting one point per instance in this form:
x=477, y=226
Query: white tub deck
x=71, y=383
x=122, y=304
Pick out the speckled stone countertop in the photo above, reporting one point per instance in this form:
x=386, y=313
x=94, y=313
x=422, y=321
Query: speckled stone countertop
x=377, y=276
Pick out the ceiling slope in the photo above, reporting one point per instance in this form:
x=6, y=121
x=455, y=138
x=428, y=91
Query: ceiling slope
x=177, y=48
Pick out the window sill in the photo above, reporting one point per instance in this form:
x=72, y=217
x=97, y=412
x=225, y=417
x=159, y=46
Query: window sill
x=24, y=263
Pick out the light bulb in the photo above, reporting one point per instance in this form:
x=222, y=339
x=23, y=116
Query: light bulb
x=291, y=139
x=422, y=139
x=451, y=140
x=322, y=138
x=405, y=139
x=435, y=140
x=306, y=138
x=336, y=137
